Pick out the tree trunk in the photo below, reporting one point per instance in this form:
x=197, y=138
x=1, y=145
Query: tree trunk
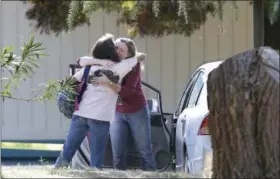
x=243, y=100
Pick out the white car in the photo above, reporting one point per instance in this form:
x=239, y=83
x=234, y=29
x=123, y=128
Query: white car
x=193, y=142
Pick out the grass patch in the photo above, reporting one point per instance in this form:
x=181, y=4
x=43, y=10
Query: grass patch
x=46, y=171
x=31, y=146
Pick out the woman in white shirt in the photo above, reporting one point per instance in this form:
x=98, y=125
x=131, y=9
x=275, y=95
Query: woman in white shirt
x=97, y=107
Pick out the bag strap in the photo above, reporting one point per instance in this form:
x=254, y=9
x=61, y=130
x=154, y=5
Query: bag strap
x=84, y=80
x=83, y=86
x=86, y=72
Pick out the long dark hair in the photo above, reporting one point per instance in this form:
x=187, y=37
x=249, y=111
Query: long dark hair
x=104, y=48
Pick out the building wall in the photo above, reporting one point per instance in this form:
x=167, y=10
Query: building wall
x=171, y=61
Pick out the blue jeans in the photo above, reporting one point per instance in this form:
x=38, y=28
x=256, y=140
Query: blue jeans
x=139, y=125
x=98, y=138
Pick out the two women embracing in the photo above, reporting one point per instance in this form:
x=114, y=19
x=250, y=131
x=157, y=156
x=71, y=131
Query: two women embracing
x=113, y=103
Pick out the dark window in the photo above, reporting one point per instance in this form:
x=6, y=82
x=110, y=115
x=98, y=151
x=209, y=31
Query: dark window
x=195, y=91
x=186, y=94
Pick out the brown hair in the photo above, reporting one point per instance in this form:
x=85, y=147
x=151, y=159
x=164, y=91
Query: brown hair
x=104, y=48
x=131, y=47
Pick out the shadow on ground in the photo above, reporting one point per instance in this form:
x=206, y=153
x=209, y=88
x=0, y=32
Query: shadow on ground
x=46, y=171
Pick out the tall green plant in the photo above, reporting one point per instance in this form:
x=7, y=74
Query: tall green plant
x=21, y=68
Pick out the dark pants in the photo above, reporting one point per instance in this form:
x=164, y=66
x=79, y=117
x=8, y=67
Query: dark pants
x=98, y=137
x=139, y=125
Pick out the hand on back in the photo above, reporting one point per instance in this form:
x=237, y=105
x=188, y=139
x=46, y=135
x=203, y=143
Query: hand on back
x=141, y=56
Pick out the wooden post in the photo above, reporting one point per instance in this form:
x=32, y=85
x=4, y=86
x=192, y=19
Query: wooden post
x=243, y=100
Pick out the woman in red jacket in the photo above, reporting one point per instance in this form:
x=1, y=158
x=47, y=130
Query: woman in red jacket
x=132, y=114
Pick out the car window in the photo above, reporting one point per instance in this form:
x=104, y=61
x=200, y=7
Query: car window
x=195, y=91
x=202, y=99
x=186, y=93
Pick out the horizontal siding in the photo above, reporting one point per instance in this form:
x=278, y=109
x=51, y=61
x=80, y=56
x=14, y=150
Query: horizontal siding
x=171, y=61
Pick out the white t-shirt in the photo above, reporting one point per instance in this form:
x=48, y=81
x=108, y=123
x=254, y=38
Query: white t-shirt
x=99, y=102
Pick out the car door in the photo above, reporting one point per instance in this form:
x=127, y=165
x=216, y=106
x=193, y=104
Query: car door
x=192, y=113
x=180, y=115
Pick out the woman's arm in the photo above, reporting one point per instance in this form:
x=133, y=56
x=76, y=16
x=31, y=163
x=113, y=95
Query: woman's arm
x=141, y=56
x=105, y=81
x=78, y=75
x=125, y=66
x=121, y=68
x=115, y=87
x=87, y=60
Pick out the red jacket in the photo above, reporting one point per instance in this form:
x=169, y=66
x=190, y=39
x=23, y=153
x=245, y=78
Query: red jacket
x=132, y=96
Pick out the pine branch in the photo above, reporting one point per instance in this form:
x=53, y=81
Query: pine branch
x=156, y=7
x=152, y=18
x=236, y=10
x=75, y=10
x=273, y=11
x=89, y=7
